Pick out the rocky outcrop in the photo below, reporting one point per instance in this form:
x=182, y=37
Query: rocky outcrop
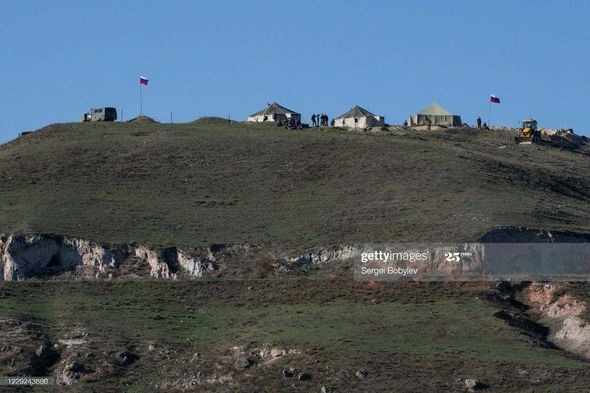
x=71, y=373
x=565, y=311
x=574, y=336
x=25, y=256
x=325, y=256
x=172, y=263
x=160, y=267
x=195, y=266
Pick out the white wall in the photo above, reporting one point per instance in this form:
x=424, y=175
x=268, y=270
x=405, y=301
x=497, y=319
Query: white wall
x=362, y=122
x=269, y=118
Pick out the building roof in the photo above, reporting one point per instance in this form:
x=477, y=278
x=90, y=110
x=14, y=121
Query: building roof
x=357, y=111
x=435, y=110
x=274, y=109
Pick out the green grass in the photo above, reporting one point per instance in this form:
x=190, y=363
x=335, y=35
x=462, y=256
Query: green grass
x=205, y=183
x=181, y=312
x=408, y=336
x=405, y=335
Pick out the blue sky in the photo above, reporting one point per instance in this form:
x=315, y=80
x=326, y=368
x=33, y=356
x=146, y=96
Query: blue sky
x=59, y=58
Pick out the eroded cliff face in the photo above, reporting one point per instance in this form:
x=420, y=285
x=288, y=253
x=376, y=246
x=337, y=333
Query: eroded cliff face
x=39, y=255
x=566, y=312
x=43, y=256
x=25, y=256
x=170, y=262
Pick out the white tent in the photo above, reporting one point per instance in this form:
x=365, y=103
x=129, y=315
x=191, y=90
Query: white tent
x=274, y=112
x=359, y=117
x=435, y=115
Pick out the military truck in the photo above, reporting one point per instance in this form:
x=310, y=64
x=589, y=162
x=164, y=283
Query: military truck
x=100, y=114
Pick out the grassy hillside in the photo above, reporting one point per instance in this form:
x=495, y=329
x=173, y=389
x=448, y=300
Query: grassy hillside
x=407, y=337
x=206, y=182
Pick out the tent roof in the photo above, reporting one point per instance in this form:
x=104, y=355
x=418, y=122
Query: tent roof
x=357, y=111
x=274, y=108
x=436, y=110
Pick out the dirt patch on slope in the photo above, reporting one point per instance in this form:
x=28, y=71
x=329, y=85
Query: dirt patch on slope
x=143, y=119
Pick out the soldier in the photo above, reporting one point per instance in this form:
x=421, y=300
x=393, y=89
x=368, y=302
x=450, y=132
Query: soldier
x=478, y=122
x=313, y=119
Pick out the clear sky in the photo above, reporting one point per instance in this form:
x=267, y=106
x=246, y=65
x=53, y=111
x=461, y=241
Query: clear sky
x=59, y=58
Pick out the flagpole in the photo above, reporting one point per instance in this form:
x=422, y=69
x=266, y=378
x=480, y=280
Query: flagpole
x=140, y=100
x=489, y=112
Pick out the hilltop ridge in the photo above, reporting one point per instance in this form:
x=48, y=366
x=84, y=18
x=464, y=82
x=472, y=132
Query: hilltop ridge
x=210, y=182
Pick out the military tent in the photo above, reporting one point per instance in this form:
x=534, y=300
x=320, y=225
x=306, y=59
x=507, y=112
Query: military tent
x=274, y=112
x=359, y=117
x=435, y=115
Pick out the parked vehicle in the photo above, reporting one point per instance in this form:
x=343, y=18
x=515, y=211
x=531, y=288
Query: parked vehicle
x=100, y=114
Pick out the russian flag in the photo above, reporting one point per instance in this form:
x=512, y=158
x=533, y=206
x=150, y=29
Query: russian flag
x=143, y=80
x=494, y=99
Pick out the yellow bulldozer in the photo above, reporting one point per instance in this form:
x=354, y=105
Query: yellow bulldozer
x=563, y=138
x=528, y=133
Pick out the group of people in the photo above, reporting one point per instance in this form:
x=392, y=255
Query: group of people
x=479, y=125
x=319, y=120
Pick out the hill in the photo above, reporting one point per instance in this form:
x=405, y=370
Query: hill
x=212, y=183
x=253, y=327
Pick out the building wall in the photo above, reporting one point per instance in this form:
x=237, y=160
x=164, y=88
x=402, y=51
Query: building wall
x=435, y=120
x=361, y=122
x=278, y=117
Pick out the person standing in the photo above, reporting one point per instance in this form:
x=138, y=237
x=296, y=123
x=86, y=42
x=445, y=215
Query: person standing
x=313, y=119
x=478, y=122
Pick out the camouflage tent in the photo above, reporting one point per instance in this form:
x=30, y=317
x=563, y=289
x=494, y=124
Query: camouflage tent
x=435, y=115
